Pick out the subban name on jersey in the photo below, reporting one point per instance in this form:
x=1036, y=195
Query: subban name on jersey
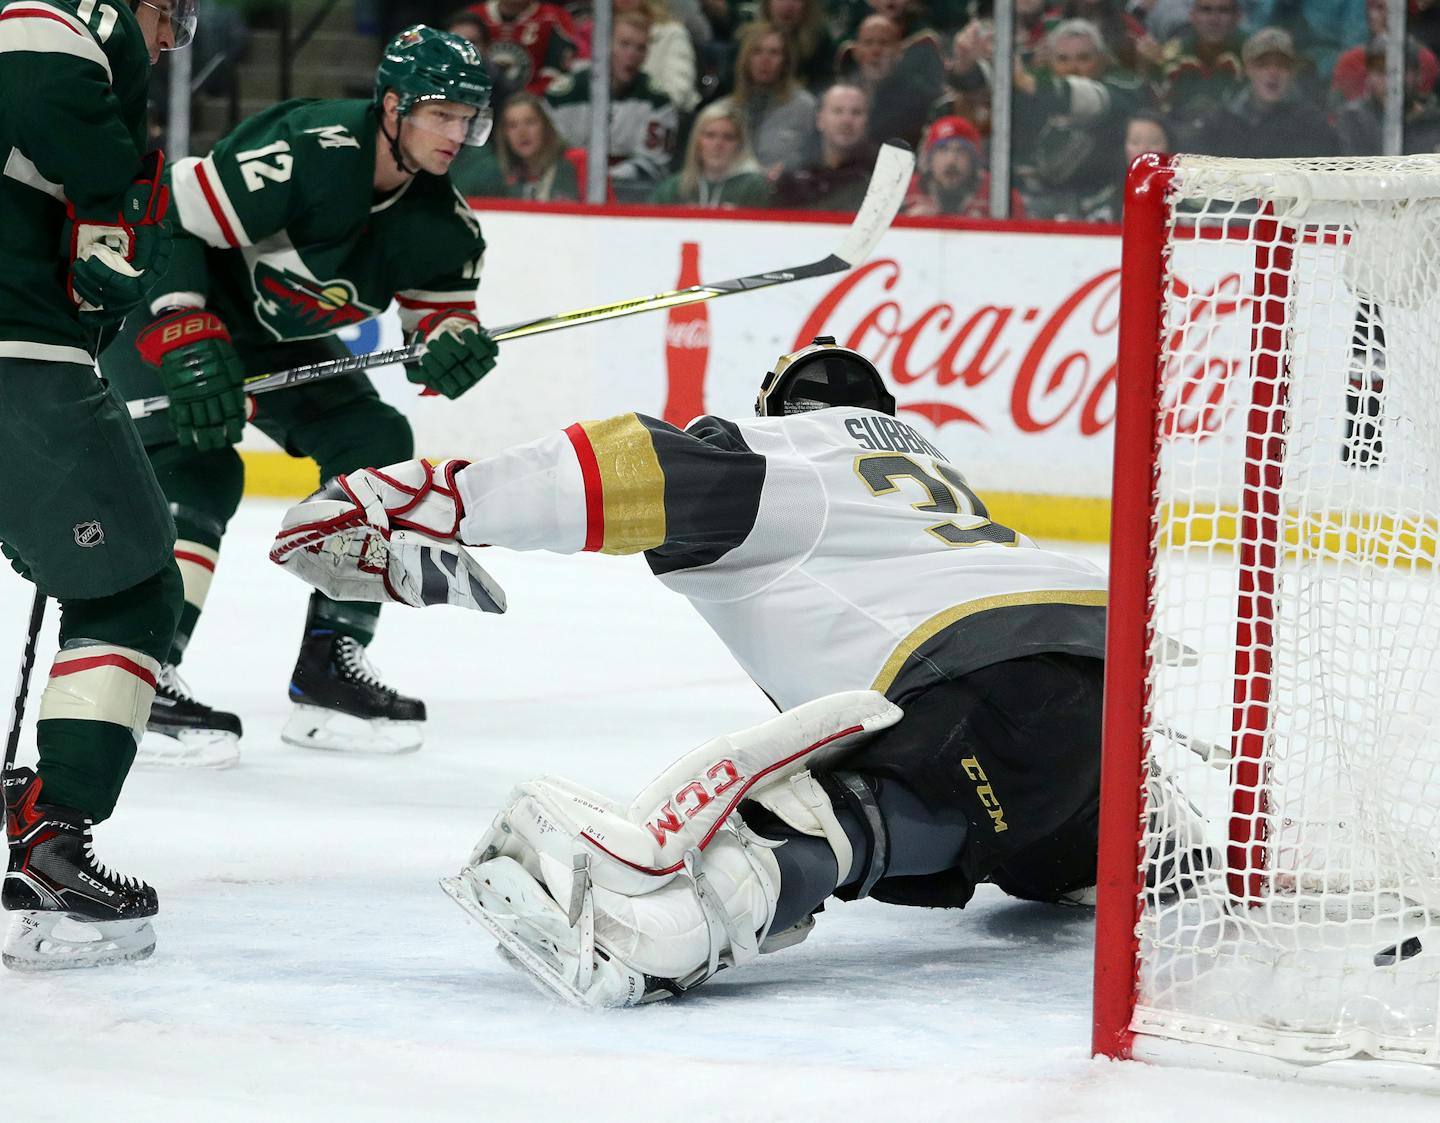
x=884, y=434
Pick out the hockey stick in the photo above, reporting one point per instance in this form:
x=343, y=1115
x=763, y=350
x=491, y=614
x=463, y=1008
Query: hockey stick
x=888, y=183
x=22, y=683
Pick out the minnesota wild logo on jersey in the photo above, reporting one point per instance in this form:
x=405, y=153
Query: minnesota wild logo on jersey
x=292, y=190
x=294, y=307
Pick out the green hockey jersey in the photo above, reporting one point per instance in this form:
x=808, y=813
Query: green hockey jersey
x=282, y=236
x=73, y=81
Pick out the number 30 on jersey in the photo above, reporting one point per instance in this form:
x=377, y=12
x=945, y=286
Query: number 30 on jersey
x=881, y=471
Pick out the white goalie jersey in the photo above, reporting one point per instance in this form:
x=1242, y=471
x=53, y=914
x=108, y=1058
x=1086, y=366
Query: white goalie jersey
x=834, y=550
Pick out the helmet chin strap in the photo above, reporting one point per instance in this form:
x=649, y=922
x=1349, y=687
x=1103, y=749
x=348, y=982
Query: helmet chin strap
x=395, y=146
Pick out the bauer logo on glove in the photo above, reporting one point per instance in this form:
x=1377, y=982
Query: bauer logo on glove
x=202, y=375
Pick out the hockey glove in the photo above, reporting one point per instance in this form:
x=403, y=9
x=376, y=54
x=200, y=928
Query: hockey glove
x=458, y=353
x=202, y=375
x=388, y=535
x=115, y=252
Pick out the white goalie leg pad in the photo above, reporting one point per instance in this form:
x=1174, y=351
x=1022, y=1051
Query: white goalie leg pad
x=685, y=808
x=502, y=839
x=596, y=947
x=692, y=797
x=672, y=888
x=503, y=889
x=712, y=917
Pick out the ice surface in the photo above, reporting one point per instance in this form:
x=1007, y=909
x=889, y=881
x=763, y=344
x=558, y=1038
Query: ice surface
x=309, y=968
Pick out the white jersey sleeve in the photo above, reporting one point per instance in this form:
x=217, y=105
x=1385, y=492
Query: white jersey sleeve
x=835, y=550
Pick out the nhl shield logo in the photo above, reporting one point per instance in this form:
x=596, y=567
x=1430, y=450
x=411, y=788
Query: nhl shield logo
x=89, y=534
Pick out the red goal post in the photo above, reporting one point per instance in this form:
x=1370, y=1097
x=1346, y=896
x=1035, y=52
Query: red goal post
x=1273, y=663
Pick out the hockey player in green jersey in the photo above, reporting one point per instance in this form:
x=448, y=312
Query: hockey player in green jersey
x=82, y=516
x=308, y=218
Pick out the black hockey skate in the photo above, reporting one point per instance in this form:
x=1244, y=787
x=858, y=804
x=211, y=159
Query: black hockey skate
x=341, y=704
x=70, y=911
x=185, y=733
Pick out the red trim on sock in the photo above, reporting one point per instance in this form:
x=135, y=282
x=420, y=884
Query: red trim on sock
x=75, y=666
x=196, y=559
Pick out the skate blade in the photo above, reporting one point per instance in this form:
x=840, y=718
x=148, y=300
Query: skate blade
x=514, y=950
x=188, y=748
x=313, y=727
x=535, y=937
x=57, y=941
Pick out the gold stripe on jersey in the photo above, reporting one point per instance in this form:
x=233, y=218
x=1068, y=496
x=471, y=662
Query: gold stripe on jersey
x=906, y=649
x=632, y=484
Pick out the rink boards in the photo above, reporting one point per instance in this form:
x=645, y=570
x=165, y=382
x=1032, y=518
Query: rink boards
x=998, y=340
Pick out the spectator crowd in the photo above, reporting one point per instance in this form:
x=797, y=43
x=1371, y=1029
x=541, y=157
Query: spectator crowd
x=734, y=103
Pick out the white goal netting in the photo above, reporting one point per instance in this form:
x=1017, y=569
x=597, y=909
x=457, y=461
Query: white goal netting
x=1293, y=708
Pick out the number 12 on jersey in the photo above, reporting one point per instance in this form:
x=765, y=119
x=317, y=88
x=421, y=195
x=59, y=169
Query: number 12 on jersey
x=948, y=495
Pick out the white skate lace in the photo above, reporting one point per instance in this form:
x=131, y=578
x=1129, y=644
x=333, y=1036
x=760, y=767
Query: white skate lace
x=105, y=872
x=168, y=681
x=356, y=664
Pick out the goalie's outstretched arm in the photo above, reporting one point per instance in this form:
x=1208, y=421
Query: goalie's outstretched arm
x=624, y=485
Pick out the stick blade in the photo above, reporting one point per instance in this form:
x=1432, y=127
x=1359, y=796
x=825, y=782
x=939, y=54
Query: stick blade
x=894, y=167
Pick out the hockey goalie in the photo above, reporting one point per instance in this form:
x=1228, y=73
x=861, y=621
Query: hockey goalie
x=939, y=677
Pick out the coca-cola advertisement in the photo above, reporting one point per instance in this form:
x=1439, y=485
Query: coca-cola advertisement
x=1000, y=343
x=940, y=357
x=687, y=346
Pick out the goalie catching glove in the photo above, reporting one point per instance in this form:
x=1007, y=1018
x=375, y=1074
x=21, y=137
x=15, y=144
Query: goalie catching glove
x=117, y=248
x=387, y=535
x=611, y=906
x=458, y=353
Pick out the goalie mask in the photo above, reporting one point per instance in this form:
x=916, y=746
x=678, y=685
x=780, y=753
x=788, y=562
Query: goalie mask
x=821, y=376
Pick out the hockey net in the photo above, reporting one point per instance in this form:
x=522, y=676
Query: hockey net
x=1273, y=680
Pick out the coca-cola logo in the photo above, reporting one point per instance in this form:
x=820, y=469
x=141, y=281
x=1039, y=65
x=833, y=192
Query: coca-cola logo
x=688, y=335
x=1059, y=361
